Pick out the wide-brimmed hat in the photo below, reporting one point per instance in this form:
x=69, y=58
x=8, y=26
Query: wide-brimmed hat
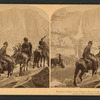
x=25, y=39
x=5, y=43
x=59, y=54
x=90, y=42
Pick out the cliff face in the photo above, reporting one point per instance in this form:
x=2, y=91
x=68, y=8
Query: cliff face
x=91, y=24
x=71, y=31
x=15, y=24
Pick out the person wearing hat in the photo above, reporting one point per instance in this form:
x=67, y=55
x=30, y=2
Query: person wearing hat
x=27, y=47
x=60, y=59
x=87, y=50
x=87, y=55
x=42, y=45
x=3, y=49
x=4, y=57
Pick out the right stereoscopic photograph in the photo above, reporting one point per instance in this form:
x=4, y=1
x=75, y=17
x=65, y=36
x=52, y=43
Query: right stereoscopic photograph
x=75, y=47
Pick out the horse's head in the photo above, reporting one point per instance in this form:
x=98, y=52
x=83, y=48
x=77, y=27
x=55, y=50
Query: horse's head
x=61, y=64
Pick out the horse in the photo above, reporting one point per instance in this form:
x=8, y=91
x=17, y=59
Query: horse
x=44, y=57
x=37, y=57
x=5, y=67
x=55, y=62
x=40, y=56
x=82, y=65
x=20, y=58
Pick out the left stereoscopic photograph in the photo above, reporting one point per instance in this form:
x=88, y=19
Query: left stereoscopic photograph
x=24, y=47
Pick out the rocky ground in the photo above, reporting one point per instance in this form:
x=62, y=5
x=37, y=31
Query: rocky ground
x=64, y=78
x=34, y=78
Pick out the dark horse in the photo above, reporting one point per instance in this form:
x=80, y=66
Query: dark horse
x=82, y=65
x=5, y=67
x=37, y=56
x=20, y=58
x=40, y=56
x=55, y=62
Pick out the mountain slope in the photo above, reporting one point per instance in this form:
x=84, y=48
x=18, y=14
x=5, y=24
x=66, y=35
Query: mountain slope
x=15, y=24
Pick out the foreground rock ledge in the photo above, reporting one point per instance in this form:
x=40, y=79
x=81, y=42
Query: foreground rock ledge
x=42, y=78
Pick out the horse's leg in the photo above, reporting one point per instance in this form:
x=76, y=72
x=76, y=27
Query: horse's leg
x=81, y=74
x=93, y=71
x=37, y=64
x=34, y=65
x=20, y=72
x=27, y=63
x=12, y=68
x=48, y=61
x=9, y=69
x=24, y=67
x=44, y=62
x=8, y=72
x=41, y=61
x=27, y=66
x=96, y=68
x=75, y=75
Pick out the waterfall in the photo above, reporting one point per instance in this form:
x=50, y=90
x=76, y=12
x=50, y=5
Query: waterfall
x=78, y=36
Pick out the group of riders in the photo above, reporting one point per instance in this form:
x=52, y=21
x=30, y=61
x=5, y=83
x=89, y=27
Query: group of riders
x=26, y=48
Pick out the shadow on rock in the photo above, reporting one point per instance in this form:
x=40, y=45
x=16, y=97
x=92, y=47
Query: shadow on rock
x=41, y=79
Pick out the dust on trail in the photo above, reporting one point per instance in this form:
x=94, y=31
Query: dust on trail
x=16, y=81
x=64, y=78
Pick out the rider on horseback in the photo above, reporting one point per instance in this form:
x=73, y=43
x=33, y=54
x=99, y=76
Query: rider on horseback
x=60, y=59
x=87, y=55
x=42, y=45
x=4, y=58
x=27, y=47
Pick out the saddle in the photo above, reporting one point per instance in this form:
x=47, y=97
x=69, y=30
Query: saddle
x=87, y=60
x=88, y=64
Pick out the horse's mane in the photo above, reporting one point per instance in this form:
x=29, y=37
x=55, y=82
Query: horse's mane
x=17, y=48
